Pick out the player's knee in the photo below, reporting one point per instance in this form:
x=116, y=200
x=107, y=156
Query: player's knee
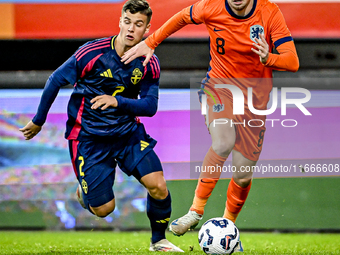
x=158, y=191
x=104, y=210
x=223, y=148
x=242, y=182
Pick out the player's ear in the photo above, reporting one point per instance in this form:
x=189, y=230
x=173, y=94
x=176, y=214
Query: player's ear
x=120, y=22
x=147, y=28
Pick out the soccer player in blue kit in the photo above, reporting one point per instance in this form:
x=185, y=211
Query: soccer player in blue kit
x=102, y=127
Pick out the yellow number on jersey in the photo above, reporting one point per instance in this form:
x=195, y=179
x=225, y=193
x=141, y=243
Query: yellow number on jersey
x=81, y=158
x=120, y=89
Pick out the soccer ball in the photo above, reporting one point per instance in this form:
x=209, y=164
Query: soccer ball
x=218, y=236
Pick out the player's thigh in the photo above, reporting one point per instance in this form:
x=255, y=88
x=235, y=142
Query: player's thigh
x=223, y=136
x=94, y=167
x=136, y=148
x=219, y=122
x=101, y=198
x=250, y=135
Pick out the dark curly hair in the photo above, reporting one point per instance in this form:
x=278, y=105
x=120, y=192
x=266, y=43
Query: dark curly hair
x=140, y=6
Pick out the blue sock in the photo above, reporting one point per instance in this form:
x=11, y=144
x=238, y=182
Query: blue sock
x=158, y=212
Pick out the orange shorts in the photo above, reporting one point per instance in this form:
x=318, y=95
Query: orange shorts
x=249, y=127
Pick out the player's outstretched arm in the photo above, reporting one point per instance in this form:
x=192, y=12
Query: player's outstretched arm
x=30, y=130
x=141, y=49
x=50, y=92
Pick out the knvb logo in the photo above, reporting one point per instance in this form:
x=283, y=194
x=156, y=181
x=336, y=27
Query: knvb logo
x=238, y=100
x=255, y=32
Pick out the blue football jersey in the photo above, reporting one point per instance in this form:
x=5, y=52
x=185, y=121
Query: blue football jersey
x=96, y=69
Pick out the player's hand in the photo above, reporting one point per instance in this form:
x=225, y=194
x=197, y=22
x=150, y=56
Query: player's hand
x=140, y=49
x=104, y=101
x=30, y=130
x=262, y=48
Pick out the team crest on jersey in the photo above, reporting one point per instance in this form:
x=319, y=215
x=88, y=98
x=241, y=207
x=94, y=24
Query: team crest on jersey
x=218, y=107
x=255, y=32
x=136, y=76
x=84, y=186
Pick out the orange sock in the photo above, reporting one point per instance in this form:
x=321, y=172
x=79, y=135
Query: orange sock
x=236, y=197
x=207, y=181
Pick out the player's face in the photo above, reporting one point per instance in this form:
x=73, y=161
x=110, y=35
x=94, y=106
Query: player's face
x=133, y=27
x=241, y=7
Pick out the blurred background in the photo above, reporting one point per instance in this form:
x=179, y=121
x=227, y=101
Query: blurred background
x=37, y=183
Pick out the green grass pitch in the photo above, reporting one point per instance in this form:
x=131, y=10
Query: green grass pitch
x=87, y=242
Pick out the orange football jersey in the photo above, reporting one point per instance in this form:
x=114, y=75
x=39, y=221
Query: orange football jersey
x=231, y=40
x=232, y=36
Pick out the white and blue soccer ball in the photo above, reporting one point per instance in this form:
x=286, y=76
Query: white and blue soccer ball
x=218, y=236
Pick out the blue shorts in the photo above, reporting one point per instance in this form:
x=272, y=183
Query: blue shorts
x=94, y=162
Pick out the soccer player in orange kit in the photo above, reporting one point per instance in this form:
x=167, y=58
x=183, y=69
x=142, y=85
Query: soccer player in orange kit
x=242, y=36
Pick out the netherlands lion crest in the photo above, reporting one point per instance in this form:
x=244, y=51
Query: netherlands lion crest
x=218, y=107
x=255, y=32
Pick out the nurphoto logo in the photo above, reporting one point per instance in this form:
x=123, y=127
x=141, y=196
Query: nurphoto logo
x=238, y=105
